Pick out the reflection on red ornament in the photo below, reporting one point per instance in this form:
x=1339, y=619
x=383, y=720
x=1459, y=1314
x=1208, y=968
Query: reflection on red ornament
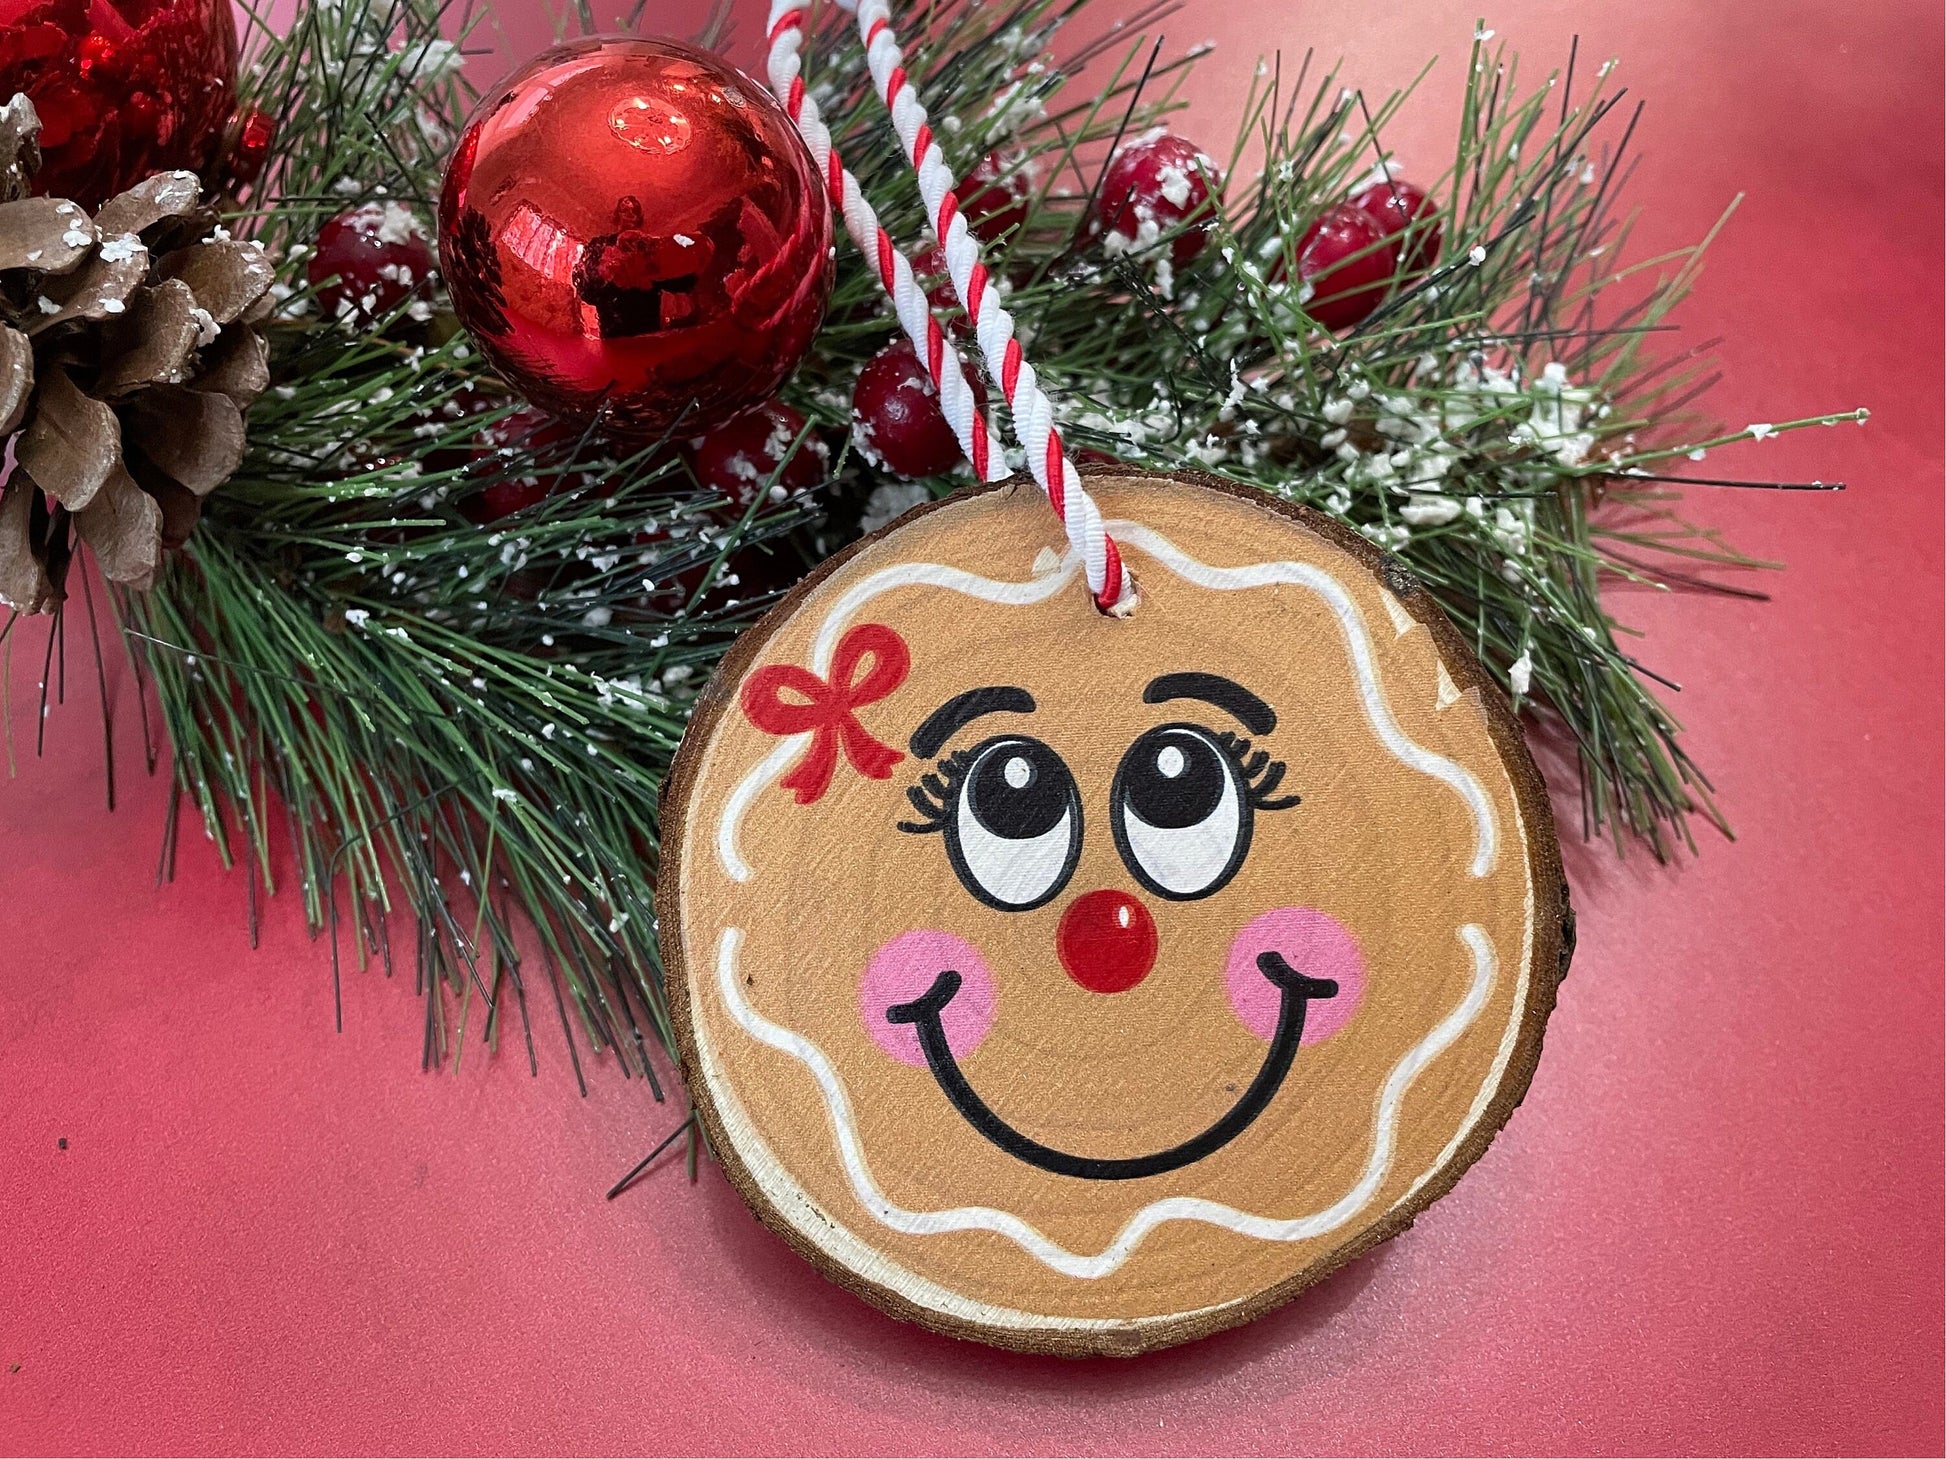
x=633, y=231
x=248, y=148
x=124, y=88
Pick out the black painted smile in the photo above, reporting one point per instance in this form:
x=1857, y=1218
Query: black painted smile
x=925, y=1014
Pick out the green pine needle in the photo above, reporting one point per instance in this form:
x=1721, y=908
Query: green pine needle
x=471, y=724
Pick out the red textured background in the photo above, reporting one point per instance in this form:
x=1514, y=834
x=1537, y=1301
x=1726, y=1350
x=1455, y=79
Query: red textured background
x=1715, y=1226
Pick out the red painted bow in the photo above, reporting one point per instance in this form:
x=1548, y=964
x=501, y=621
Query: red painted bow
x=826, y=708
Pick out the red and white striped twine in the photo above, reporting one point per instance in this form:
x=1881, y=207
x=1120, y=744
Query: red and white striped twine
x=976, y=438
x=1047, y=458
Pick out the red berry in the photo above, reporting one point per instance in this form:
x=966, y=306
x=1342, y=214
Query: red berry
x=756, y=573
x=929, y=267
x=1345, y=259
x=739, y=458
x=1151, y=186
x=368, y=262
x=523, y=431
x=896, y=418
x=671, y=590
x=995, y=195
x=759, y=573
x=504, y=498
x=1398, y=206
x=528, y=429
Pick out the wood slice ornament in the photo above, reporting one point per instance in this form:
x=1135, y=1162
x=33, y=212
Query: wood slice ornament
x=1086, y=985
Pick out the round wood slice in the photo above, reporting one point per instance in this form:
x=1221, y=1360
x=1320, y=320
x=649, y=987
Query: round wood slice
x=1084, y=985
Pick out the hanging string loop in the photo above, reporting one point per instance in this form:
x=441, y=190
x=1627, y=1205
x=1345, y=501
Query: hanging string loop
x=1111, y=585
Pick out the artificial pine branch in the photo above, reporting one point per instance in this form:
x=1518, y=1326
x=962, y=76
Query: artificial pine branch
x=471, y=723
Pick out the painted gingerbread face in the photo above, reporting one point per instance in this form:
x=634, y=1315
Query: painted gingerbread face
x=1086, y=985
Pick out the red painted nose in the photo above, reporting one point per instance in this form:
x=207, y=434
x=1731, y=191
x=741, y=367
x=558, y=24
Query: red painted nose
x=1106, y=941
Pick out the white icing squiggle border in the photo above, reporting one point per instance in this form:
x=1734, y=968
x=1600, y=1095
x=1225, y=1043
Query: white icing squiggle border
x=1156, y=1213
x=1179, y=1208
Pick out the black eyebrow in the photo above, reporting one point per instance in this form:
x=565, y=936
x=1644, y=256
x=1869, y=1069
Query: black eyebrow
x=938, y=727
x=1258, y=717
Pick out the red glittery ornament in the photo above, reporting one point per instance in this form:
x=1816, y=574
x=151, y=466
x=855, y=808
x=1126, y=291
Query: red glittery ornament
x=995, y=195
x=1152, y=185
x=247, y=147
x=1398, y=206
x=740, y=457
x=896, y=418
x=124, y=88
x=369, y=261
x=1345, y=259
x=633, y=230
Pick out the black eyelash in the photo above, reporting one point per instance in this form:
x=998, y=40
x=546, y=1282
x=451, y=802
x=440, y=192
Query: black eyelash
x=1261, y=774
x=939, y=788
x=935, y=793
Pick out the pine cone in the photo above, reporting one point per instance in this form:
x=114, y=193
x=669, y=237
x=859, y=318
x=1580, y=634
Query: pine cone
x=129, y=352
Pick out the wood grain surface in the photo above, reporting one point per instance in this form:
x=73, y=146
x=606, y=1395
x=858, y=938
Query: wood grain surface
x=1023, y=1186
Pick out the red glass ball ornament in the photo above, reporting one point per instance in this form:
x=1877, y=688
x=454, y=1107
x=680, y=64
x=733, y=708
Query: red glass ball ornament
x=1398, y=206
x=1106, y=940
x=369, y=261
x=124, y=88
x=995, y=195
x=1345, y=259
x=632, y=229
x=1151, y=186
x=739, y=458
x=895, y=414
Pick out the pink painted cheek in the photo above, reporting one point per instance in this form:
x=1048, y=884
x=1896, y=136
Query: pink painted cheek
x=1312, y=943
x=904, y=969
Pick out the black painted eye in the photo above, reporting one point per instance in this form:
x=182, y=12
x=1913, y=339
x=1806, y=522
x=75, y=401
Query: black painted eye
x=1179, y=811
x=1014, y=832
